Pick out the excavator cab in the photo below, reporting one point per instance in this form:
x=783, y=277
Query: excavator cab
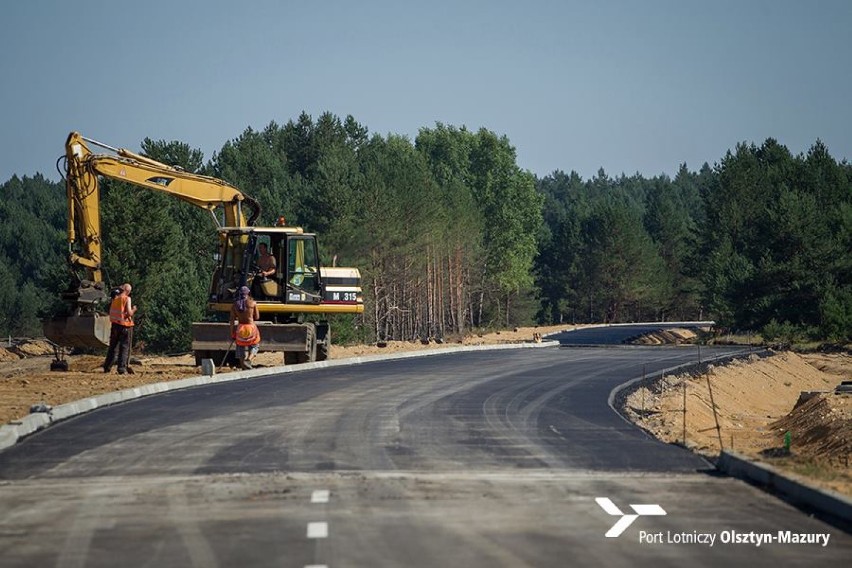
x=297, y=279
x=299, y=286
x=301, y=276
x=297, y=271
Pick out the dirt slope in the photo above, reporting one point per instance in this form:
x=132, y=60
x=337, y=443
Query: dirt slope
x=672, y=336
x=756, y=405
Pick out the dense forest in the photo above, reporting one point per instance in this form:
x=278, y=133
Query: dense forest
x=451, y=234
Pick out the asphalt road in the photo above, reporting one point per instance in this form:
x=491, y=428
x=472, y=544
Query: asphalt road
x=474, y=459
x=614, y=334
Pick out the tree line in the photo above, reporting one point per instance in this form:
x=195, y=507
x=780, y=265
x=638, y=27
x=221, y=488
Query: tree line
x=451, y=234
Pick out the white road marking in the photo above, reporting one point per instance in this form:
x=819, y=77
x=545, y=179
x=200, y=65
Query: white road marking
x=320, y=496
x=317, y=530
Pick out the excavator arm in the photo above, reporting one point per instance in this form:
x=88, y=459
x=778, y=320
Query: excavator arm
x=300, y=286
x=82, y=170
x=85, y=326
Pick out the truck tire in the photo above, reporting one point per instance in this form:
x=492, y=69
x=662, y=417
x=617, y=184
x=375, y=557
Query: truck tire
x=291, y=357
x=308, y=356
x=311, y=354
x=324, y=347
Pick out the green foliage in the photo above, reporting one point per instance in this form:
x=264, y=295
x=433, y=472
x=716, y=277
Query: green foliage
x=255, y=164
x=450, y=234
x=777, y=236
x=348, y=329
x=622, y=269
x=494, y=218
x=836, y=314
x=511, y=210
x=786, y=332
x=172, y=301
x=32, y=244
x=616, y=249
x=762, y=238
x=164, y=247
x=558, y=265
x=21, y=305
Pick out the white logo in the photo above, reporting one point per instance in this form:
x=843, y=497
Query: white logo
x=626, y=520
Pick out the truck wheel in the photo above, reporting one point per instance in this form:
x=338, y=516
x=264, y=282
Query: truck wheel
x=291, y=358
x=312, y=351
x=324, y=348
x=310, y=355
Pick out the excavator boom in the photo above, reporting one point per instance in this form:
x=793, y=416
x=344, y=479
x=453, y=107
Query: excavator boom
x=300, y=286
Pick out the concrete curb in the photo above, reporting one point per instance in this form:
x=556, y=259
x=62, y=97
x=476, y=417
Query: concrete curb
x=16, y=430
x=823, y=501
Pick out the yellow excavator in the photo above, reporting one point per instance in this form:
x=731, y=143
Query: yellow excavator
x=301, y=286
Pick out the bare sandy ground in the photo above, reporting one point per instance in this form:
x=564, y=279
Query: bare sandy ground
x=756, y=406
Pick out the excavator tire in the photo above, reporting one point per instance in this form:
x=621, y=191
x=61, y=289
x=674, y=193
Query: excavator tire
x=309, y=356
x=323, y=342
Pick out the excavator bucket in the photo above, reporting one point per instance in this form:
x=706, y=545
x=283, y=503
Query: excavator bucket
x=211, y=336
x=83, y=331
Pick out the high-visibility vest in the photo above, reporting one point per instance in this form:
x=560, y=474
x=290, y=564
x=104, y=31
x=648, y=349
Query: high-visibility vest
x=118, y=312
x=247, y=335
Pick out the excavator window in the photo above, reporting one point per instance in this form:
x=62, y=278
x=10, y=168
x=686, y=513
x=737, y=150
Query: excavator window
x=264, y=288
x=226, y=279
x=302, y=265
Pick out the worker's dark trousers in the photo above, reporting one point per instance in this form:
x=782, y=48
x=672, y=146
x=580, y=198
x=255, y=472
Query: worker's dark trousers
x=119, y=336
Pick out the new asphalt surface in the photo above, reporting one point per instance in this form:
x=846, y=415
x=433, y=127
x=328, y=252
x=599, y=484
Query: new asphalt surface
x=487, y=458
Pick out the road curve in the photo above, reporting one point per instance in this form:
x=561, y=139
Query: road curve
x=475, y=459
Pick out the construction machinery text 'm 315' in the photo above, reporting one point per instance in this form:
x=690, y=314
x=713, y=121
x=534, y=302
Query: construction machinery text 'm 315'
x=299, y=287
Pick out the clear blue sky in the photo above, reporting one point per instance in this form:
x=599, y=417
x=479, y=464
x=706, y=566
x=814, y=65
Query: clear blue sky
x=630, y=86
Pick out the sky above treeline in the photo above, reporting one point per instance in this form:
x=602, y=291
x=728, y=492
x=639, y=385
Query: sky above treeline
x=620, y=85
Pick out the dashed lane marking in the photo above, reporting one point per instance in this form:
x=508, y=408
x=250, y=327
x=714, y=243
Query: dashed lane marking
x=317, y=530
x=320, y=496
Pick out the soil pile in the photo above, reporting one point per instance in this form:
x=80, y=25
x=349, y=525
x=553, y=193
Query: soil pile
x=820, y=427
x=19, y=349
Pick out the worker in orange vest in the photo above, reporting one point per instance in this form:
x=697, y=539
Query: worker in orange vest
x=121, y=312
x=246, y=335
